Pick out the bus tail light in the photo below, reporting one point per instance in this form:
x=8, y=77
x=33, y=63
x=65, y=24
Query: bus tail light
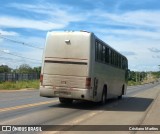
x=41, y=79
x=88, y=83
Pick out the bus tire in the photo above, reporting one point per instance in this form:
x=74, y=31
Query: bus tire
x=120, y=97
x=65, y=100
x=104, y=96
x=122, y=92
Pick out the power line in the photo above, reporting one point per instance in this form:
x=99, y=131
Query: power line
x=10, y=59
x=18, y=60
x=18, y=55
x=20, y=42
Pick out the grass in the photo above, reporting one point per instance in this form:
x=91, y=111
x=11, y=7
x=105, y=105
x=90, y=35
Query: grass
x=34, y=84
x=133, y=83
x=8, y=85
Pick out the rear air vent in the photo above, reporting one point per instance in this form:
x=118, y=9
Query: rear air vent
x=66, y=62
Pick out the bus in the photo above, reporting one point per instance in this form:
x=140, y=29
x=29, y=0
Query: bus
x=77, y=65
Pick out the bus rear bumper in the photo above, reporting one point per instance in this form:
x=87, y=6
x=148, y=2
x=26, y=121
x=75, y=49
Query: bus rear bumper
x=74, y=93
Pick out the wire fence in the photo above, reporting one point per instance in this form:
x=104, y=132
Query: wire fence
x=18, y=77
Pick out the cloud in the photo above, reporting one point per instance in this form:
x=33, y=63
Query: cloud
x=145, y=67
x=4, y=64
x=6, y=51
x=49, y=16
x=58, y=16
x=155, y=56
x=132, y=32
x=55, y=12
x=155, y=50
x=128, y=53
x=10, y=33
x=133, y=24
x=21, y=50
x=15, y=22
x=132, y=18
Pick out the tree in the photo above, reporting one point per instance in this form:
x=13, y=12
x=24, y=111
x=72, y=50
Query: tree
x=24, y=68
x=37, y=70
x=156, y=74
x=136, y=76
x=5, y=69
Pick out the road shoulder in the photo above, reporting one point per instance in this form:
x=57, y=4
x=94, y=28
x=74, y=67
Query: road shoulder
x=153, y=115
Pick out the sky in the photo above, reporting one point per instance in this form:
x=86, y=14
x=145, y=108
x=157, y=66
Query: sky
x=132, y=27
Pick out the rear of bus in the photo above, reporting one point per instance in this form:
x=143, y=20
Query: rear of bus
x=65, y=68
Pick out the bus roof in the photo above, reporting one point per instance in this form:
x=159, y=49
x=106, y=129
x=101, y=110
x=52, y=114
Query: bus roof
x=87, y=32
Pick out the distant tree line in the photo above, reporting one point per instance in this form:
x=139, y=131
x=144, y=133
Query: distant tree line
x=23, y=69
x=140, y=76
x=136, y=76
x=26, y=69
x=156, y=74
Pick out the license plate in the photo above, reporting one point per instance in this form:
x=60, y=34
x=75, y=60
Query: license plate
x=62, y=93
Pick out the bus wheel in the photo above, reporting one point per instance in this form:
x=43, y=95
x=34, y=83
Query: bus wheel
x=65, y=100
x=104, y=97
x=120, y=97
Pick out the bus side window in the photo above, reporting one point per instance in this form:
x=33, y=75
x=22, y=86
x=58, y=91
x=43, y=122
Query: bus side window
x=99, y=52
x=107, y=55
x=126, y=64
x=123, y=63
x=103, y=53
x=114, y=58
x=110, y=56
x=96, y=51
x=119, y=61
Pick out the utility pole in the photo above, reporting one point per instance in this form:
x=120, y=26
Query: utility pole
x=159, y=71
x=136, y=76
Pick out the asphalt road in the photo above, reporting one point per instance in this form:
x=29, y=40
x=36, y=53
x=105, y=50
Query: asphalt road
x=28, y=108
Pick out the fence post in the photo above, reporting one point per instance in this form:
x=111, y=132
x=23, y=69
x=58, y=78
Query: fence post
x=17, y=76
x=5, y=76
x=12, y=77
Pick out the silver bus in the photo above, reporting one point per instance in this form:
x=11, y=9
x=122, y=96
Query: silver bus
x=79, y=66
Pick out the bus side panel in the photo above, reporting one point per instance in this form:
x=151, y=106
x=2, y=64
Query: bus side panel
x=105, y=74
x=110, y=76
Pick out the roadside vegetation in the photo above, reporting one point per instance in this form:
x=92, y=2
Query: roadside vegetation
x=18, y=84
x=134, y=78
x=24, y=68
x=140, y=78
x=10, y=85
